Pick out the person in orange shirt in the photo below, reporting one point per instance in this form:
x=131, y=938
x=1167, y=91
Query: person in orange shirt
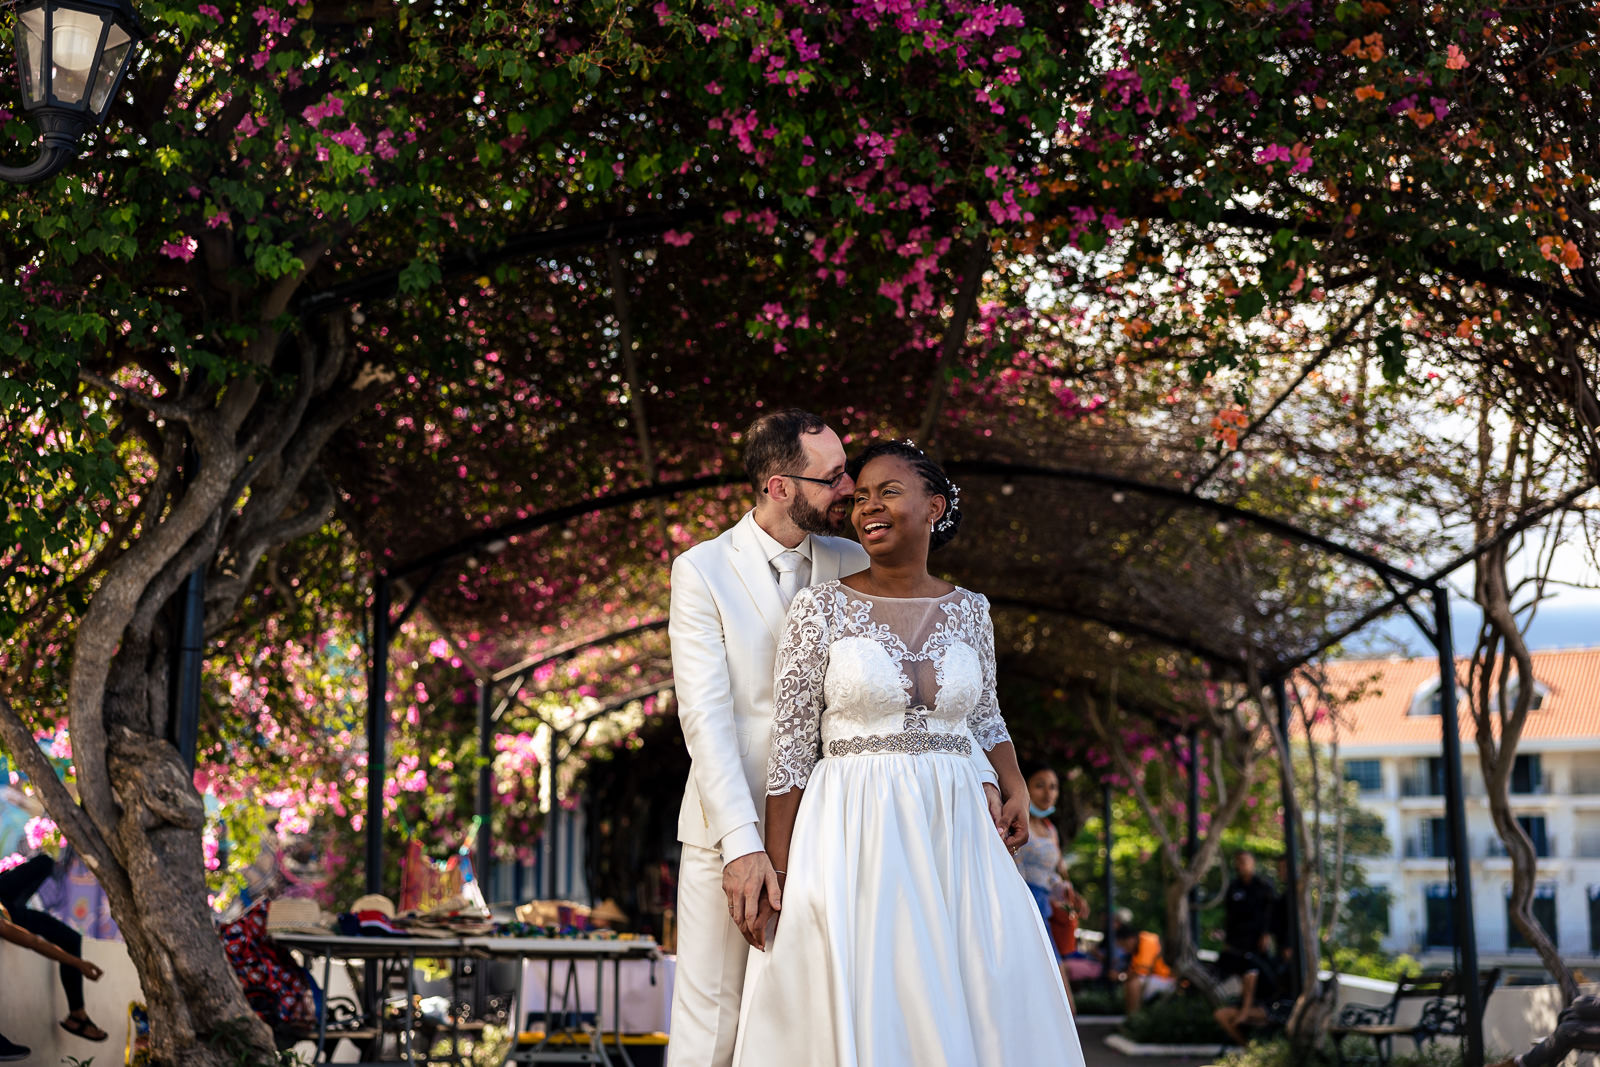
x=1148, y=974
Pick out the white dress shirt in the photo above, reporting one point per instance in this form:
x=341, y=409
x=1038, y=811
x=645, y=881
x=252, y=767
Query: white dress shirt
x=773, y=549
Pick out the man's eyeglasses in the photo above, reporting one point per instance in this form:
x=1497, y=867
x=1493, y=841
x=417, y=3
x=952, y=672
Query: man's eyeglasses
x=831, y=483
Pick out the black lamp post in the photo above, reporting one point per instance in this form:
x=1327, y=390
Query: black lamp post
x=71, y=56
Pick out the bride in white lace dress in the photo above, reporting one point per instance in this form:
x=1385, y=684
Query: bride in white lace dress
x=904, y=934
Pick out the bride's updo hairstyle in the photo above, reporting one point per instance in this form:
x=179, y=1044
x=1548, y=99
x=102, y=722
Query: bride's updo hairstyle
x=933, y=477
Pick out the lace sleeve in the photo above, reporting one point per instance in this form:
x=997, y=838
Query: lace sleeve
x=797, y=697
x=984, y=720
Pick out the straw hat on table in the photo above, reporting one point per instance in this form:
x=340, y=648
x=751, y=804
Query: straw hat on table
x=607, y=911
x=296, y=915
x=374, y=902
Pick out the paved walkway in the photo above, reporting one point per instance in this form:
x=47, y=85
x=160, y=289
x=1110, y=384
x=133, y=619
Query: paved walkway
x=1097, y=1053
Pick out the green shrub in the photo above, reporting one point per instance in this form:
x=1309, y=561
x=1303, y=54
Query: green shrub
x=1274, y=1052
x=1097, y=1000
x=1175, y=1020
x=1380, y=965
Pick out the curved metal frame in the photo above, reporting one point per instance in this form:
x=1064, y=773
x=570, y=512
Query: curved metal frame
x=1402, y=584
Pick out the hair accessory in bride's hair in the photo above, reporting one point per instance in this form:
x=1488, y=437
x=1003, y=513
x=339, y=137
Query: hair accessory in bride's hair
x=948, y=520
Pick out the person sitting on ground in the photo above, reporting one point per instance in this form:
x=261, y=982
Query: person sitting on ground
x=1147, y=975
x=49, y=937
x=1577, y=1030
x=1258, y=989
x=1247, y=928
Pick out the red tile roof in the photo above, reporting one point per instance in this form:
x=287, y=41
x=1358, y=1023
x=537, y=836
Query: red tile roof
x=1383, y=691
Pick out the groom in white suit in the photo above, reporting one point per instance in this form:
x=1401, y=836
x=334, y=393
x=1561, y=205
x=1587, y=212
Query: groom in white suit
x=729, y=599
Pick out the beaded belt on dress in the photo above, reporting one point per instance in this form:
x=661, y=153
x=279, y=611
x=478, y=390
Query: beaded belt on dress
x=912, y=741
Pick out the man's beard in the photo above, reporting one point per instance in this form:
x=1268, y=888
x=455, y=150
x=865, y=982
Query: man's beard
x=813, y=520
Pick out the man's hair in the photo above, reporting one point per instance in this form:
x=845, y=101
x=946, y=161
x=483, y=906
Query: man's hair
x=772, y=444
x=1125, y=932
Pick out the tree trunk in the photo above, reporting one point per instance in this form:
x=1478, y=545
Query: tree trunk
x=1181, y=953
x=198, y=1013
x=137, y=818
x=1502, y=650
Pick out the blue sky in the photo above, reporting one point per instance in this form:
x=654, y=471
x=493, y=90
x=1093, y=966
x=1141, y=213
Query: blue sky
x=1571, y=620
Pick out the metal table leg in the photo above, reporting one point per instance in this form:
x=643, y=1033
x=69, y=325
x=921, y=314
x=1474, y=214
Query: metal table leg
x=322, y=1016
x=597, y=1040
x=515, y=1014
x=616, y=1006
x=411, y=1031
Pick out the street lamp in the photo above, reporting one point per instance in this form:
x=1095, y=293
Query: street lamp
x=71, y=56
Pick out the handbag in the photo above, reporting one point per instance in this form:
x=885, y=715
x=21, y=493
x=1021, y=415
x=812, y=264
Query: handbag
x=1064, y=929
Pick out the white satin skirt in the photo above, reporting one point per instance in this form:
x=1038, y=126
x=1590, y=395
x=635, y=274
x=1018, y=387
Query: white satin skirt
x=907, y=935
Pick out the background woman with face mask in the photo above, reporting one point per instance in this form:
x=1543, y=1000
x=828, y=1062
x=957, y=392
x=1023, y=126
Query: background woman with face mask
x=1045, y=869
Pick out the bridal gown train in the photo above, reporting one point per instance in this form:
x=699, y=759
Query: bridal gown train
x=907, y=936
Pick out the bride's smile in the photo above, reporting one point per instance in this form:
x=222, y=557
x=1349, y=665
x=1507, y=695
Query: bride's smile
x=885, y=509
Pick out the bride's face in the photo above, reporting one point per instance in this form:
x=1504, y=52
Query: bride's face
x=892, y=510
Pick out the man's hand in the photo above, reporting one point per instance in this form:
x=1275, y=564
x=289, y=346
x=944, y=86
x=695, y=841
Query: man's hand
x=90, y=971
x=745, y=880
x=1013, y=822
x=991, y=793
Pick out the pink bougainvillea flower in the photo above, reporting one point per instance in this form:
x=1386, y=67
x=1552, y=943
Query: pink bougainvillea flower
x=183, y=249
x=1455, y=59
x=676, y=238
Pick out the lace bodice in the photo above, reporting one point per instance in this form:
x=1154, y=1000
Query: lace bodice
x=852, y=665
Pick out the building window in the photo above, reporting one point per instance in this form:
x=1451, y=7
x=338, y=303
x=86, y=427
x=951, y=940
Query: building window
x=1432, y=841
x=1527, y=776
x=1426, y=778
x=1594, y=920
x=1534, y=827
x=1426, y=700
x=1440, y=932
x=1514, y=688
x=1367, y=774
x=1544, y=913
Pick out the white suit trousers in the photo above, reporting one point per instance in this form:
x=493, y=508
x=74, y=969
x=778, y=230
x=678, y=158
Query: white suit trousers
x=712, y=955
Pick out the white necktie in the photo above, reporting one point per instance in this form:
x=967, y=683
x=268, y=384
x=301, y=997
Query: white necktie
x=787, y=564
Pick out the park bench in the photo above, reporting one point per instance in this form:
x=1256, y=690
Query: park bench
x=1443, y=1015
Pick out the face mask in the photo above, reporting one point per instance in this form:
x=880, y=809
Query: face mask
x=1040, y=813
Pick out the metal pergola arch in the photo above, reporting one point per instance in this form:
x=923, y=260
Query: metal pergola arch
x=1403, y=585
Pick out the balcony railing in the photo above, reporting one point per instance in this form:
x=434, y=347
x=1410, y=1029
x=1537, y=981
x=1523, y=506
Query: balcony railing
x=1497, y=848
x=1421, y=787
x=1417, y=848
x=1585, y=784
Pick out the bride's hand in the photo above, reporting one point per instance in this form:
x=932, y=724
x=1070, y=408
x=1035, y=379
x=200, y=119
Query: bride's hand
x=991, y=793
x=1013, y=823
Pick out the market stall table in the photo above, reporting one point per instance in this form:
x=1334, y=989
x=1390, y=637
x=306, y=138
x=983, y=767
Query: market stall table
x=572, y=1035
x=388, y=954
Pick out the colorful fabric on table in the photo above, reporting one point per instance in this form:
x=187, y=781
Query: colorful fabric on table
x=278, y=989
x=424, y=883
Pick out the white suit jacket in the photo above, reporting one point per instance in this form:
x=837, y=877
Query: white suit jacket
x=725, y=622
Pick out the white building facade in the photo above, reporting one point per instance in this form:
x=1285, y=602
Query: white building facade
x=1390, y=745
